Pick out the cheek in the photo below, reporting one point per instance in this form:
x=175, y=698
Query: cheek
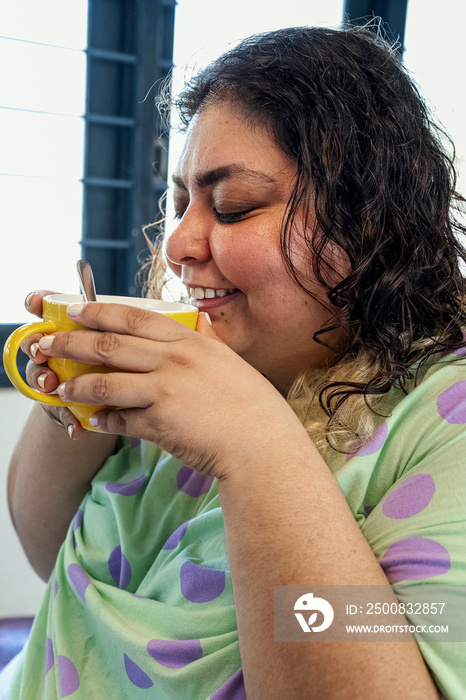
x=250, y=260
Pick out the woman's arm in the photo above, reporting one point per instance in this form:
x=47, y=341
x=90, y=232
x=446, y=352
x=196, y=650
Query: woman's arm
x=288, y=495
x=48, y=477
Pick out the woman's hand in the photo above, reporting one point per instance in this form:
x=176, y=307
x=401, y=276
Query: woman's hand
x=184, y=390
x=39, y=376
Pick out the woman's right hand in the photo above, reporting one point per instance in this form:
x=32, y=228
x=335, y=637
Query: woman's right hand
x=38, y=374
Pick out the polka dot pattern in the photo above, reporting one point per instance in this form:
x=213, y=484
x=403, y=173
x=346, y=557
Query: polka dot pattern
x=49, y=655
x=78, y=579
x=129, y=489
x=199, y=584
x=136, y=675
x=69, y=677
x=175, y=653
x=78, y=519
x=375, y=444
x=233, y=689
x=410, y=498
x=415, y=558
x=191, y=482
x=119, y=567
x=175, y=538
x=451, y=404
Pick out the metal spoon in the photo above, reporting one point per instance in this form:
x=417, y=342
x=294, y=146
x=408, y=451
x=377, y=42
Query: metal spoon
x=87, y=280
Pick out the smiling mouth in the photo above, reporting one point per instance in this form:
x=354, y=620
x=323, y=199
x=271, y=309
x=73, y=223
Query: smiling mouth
x=200, y=293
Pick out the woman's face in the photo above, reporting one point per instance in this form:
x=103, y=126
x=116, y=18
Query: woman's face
x=232, y=185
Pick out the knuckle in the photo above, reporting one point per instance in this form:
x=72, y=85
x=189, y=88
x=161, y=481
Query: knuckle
x=117, y=422
x=136, y=318
x=101, y=388
x=106, y=345
x=180, y=360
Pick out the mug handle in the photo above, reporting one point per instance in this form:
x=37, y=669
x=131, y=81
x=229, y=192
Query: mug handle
x=10, y=352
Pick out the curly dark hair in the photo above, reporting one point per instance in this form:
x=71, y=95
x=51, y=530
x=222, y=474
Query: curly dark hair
x=374, y=174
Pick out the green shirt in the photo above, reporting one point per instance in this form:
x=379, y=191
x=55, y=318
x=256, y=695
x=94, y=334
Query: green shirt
x=140, y=603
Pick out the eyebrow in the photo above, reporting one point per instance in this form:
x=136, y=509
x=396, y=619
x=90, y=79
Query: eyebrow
x=211, y=177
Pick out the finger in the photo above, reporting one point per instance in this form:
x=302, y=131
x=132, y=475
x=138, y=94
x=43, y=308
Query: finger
x=127, y=320
x=102, y=348
x=204, y=327
x=31, y=348
x=41, y=378
x=111, y=389
x=130, y=421
x=64, y=418
x=33, y=301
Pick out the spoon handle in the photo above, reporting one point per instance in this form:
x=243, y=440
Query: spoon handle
x=87, y=280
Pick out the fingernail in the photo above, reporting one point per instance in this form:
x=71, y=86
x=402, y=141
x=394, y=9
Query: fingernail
x=41, y=380
x=33, y=350
x=27, y=301
x=208, y=319
x=61, y=390
x=45, y=343
x=70, y=430
x=74, y=309
x=94, y=420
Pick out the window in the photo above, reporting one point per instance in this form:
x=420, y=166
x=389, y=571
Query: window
x=82, y=166
x=42, y=98
x=435, y=55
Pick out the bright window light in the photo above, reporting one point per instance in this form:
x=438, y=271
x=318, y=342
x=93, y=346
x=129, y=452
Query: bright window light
x=435, y=55
x=42, y=102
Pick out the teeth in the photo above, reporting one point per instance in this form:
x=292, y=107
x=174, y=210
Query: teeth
x=199, y=293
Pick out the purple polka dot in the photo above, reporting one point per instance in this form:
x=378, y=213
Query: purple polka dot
x=200, y=584
x=233, y=689
x=55, y=588
x=368, y=510
x=460, y=351
x=174, y=539
x=119, y=567
x=175, y=653
x=136, y=674
x=135, y=442
x=77, y=520
x=375, y=444
x=49, y=656
x=415, y=558
x=69, y=677
x=410, y=497
x=193, y=483
x=78, y=579
x=129, y=489
x=451, y=404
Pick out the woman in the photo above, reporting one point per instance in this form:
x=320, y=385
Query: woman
x=315, y=234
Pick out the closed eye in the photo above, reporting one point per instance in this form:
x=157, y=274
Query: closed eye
x=231, y=217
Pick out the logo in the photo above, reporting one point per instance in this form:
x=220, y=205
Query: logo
x=308, y=603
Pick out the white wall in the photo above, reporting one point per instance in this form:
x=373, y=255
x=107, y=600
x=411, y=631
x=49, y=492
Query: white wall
x=21, y=589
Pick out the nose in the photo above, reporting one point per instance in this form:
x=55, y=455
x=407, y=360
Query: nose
x=187, y=244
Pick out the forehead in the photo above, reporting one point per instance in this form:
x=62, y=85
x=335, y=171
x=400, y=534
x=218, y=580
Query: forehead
x=221, y=137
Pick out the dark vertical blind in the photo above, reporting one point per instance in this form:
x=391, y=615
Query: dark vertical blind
x=130, y=49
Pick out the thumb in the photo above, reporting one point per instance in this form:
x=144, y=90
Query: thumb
x=204, y=326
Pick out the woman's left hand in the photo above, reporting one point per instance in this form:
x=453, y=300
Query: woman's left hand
x=184, y=390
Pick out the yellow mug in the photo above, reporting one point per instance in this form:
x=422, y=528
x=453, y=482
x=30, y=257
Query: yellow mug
x=55, y=319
